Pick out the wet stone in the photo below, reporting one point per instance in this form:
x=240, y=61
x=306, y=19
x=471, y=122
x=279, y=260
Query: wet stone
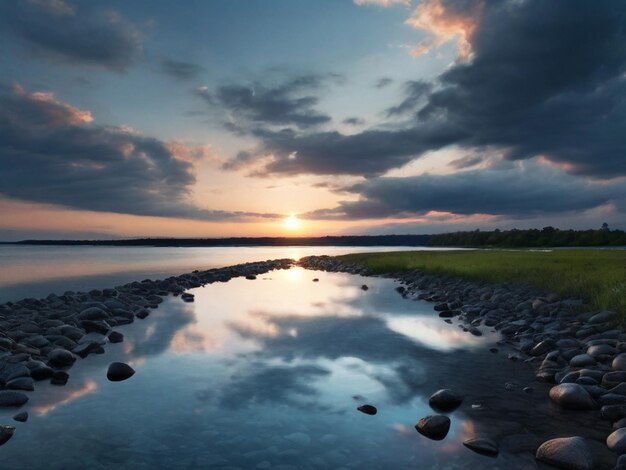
x=368, y=409
x=434, y=427
x=617, y=441
x=118, y=371
x=570, y=453
x=12, y=398
x=60, y=377
x=483, y=446
x=572, y=396
x=22, y=417
x=445, y=400
x=6, y=433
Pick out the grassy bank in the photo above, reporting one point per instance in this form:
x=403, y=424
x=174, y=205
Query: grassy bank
x=598, y=276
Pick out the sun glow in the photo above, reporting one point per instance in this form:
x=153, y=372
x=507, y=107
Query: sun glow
x=291, y=222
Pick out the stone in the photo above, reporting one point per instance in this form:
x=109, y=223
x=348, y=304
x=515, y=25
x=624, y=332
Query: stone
x=582, y=360
x=116, y=337
x=119, y=371
x=60, y=377
x=434, y=427
x=92, y=313
x=84, y=349
x=61, y=358
x=612, y=379
x=251, y=277
x=364, y=287
x=21, y=383
x=445, y=400
x=619, y=363
x=568, y=453
x=602, y=317
x=600, y=350
x=6, y=433
x=367, y=409
x=572, y=396
x=12, y=398
x=543, y=347
x=187, y=297
x=22, y=416
x=483, y=446
x=617, y=441
x=613, y=412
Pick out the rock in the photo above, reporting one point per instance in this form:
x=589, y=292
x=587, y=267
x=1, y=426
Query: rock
x=6, y=433
x=568, y=453
x=368, y=409
x=143, y=313
x=445, y=400
x=572, y=396
x=364, y=287
x=187, y=297
x=116, y=337
x=60, y=377
x=21, y=383
x=61, y=358
x=493, y=350
x=619, y=363
x=12, y=398
x=617, y=441
x=612, y=379
x=602, y=317
x=22, y=416
x=483, y=446
x=582, y=360
x=543, y=347
x=41, y=372
x=475, y=331
x=119, y=371
x=434, y=427
x=600, y=350
x=316, y=280
x=84, y=349
x=92, y=313
x=613, y=412
x=95, y=326
x=251, y=277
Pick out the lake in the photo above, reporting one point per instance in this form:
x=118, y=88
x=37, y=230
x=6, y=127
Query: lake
x=36, y=271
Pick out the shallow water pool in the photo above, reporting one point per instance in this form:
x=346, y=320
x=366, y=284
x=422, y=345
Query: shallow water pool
x=268, y=373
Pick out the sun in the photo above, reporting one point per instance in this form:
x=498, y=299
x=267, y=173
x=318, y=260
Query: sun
x=291, y=222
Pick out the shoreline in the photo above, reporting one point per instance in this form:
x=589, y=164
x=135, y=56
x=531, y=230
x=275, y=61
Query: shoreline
x=41, y=339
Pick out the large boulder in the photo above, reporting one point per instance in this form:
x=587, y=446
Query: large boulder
x=572, y=396
x=568, y=453
x=61, y=358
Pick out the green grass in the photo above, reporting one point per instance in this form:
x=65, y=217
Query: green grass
x=597, y=276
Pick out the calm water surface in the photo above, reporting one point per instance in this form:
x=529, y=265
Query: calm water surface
x=36, y=271
x=267, y=374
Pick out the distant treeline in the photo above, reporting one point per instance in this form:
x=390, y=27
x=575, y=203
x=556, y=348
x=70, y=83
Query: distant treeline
x=357, y=240
x=546, y=237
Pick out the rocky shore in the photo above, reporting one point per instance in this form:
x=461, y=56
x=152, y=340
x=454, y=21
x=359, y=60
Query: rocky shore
x=40, y=339
x=582, y=352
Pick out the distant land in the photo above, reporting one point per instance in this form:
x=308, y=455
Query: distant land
x=531, y=238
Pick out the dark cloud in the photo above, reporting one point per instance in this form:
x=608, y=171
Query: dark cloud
x=51, y=152
x=466, y=162
x=73, y=35
x=289, y=102
x=416, y=93
x=383, y=82
x=544, y=78
x=180, y=69
x=354, y=121
x=522, y=192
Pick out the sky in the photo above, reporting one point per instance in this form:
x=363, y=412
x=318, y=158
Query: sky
x=310, y=117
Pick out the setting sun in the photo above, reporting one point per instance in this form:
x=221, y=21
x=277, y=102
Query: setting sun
x=291, y=223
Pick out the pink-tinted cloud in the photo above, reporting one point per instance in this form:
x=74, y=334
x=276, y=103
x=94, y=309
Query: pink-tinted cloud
x=443, y=24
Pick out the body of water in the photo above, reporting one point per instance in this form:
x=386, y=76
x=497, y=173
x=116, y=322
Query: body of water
x=267, y=374
x=36, y=271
